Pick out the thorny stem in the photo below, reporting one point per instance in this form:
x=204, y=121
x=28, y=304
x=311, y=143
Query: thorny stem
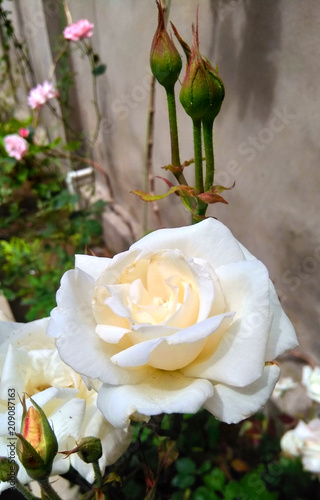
x=24, y=491
x=149, y=177
x=89, y=53
x=97, y=474
x=197, y=142
x=47, y=489
x=175, y=155
x=67, y=11
x=57, y=59
x=208, y=147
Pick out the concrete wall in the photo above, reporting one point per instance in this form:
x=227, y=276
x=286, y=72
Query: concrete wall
x=266, y=136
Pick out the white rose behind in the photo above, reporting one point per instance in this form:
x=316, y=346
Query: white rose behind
x=311, y=380
x=304, y=441
x=186, y=318
x=30, y=363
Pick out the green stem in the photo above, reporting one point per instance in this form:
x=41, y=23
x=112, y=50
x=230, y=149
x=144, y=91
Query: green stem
x=24, y=491
x=197, y=143
x=97, y=474
x=47, y=489
x=201, y=207
x=208, y=147
x=175, y=155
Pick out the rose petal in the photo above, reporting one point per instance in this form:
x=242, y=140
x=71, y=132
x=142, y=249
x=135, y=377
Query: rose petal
x=170, y=352
x=231, y=405
x=29, y=335
x=163, y=392
x=112, y=334
x=239, y=358
x=209, y=240
x=91, y=264
x=76, y=333
x=282, y=336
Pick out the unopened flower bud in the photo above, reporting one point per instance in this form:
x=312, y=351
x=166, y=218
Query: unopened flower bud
x=8, y=470
x=165, y=60
x=89, y=449
x=37, y=445
x=217, y=91
x=202, y=91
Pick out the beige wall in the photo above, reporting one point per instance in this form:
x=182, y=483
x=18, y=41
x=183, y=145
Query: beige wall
x=266, y=136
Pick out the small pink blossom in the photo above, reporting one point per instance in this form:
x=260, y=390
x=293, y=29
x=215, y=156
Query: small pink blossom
x=16, y=146
x=41, y=94
x=76, y=31
x=24, y=132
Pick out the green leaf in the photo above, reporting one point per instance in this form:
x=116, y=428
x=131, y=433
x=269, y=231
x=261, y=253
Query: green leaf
x=182, y=482
x=72, y=146
x=99, y=70
x=185, y=466
x=203, y=493
x=215, y=480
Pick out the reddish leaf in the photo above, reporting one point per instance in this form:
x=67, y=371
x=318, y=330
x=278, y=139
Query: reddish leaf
x=209, y=197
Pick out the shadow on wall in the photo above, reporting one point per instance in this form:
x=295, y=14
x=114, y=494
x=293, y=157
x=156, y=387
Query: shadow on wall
x=249, y=60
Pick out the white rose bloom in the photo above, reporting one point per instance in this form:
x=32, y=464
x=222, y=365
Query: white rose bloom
x=311, y=380
x=304, y=441
x=186, y=318
x=284, y=385
x=30, y=363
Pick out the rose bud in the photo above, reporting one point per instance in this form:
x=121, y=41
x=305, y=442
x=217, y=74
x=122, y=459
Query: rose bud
x=202, y=90
x=89, y=450
x=24, y=132
x=37, y=445
x=217, y=91
x=165, y=60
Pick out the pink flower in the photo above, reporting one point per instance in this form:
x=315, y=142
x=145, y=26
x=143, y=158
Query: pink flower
x=81, y=29
x=41, y=94
x=23, y=132
x=16, y=146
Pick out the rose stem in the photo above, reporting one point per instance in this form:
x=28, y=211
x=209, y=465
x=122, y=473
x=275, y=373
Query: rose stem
x=24, y=491
x=202, y=207
x=48, y=490
x=208, y=147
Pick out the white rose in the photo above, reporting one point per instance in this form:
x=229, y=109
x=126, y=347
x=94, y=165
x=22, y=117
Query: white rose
x=284, y=385
x=304, y=441
x=30, y=363
x=186, y=318
x=311, y=380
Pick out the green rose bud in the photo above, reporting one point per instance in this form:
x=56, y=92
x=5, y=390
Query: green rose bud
x=89, y=450
x=202, y=90
x=37, y=445
x=165, y=60
x=217, y=91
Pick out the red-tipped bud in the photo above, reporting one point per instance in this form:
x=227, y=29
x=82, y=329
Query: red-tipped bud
x=165, y=60
x=37, y=445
